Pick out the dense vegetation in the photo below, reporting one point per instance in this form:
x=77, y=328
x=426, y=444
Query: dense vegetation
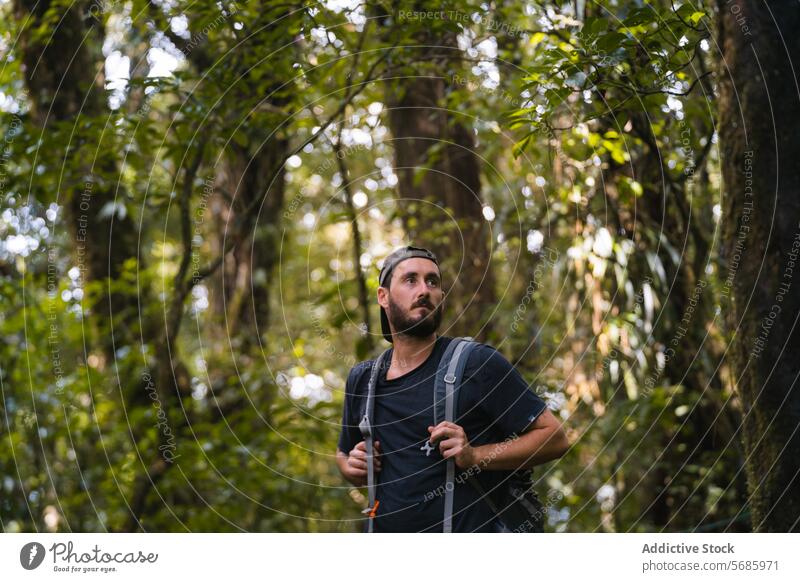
x=196, y=197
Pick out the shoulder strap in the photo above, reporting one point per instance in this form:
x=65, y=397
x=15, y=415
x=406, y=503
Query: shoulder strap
x=439, y=388
x=448, y=381
x=449, y=378
x=365, y=426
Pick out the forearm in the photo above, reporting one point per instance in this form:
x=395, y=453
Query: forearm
x=534, y=447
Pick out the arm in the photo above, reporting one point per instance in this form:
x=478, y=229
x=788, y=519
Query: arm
x=544, y=440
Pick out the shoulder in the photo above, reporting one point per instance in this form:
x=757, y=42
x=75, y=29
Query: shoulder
x=359, y=374
x=487, y=359
x=360, y=368
x=356, y=373
x=483, y=352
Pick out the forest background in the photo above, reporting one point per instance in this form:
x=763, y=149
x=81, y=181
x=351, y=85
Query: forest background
x=196, y=197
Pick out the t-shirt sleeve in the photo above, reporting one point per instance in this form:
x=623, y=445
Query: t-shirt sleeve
x=505, y=397
x=350, y=434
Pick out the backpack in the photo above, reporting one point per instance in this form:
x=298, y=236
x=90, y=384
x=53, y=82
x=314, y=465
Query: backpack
x=514, y=502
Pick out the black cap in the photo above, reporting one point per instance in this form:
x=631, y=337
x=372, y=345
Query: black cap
x=389, y=263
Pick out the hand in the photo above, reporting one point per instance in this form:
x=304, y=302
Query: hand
x=357, y=460
x=453, y=443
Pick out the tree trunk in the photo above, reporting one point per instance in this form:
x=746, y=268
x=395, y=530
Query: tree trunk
x=439, y=185
x=63, y=75
x=664, y=209
x=760, y=138
x=242, y=287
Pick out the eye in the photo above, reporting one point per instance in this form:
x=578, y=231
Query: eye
x=433, y=282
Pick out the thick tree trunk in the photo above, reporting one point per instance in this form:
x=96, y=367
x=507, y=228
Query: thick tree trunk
x=760, y=138
x=439, y=186
x=63, y=75
x=664, y=209
x=253, y=182
x=242, y=288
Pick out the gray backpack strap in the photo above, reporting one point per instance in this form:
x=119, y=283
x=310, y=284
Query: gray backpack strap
x=439, y=388
x=365, y=426
x=448, y=380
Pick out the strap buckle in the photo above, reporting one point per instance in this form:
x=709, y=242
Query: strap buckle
x=365, y=427
x=370, y=511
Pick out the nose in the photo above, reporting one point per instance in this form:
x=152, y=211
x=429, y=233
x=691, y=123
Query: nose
x=423, y=292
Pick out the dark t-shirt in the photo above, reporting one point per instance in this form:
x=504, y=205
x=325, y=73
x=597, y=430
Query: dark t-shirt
x=494, y=403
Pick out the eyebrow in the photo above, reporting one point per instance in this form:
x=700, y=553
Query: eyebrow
x=428, y=274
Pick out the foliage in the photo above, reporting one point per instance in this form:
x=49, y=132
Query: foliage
x=601, y=183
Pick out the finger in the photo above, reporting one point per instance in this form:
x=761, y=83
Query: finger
x=450, y=443
x=361, y=455
x=438, y=426
x=356, y=464
x=362, y=446
x=445, y=423
x=362, y=462
x=437, y=432
x=454, y=452
x=362, y=466
x=442, y=433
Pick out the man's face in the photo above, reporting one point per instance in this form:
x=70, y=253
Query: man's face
x=413, y=303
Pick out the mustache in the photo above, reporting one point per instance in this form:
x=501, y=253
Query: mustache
x=423, y=303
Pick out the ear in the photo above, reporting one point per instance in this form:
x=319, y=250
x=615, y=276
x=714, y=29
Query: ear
x=383, y=297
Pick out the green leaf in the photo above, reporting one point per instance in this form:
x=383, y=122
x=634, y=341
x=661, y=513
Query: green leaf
x=611, y=41
x=640, y=16
x=556, y=96
x=521, y=145
x=696, y=17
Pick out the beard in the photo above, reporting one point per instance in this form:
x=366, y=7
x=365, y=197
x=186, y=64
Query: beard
x=415, y=325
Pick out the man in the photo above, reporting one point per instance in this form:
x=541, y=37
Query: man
x=501, y=425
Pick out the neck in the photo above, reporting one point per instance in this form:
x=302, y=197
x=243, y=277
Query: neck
x=409, y=352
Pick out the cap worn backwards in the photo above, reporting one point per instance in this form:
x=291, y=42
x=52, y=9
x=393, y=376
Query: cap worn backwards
x=389, y=264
